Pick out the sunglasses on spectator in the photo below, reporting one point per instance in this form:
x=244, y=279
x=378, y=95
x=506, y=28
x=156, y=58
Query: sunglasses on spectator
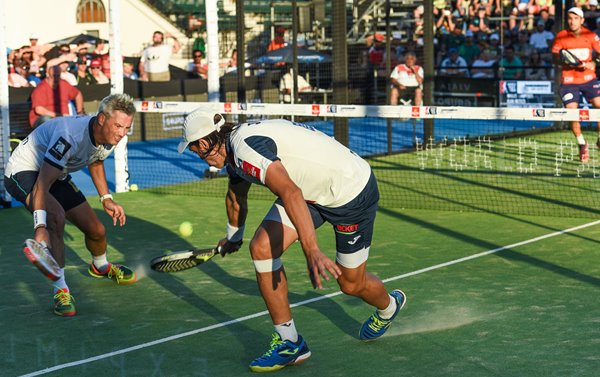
x=94, y=67
x=197, y=56
x=67, y=51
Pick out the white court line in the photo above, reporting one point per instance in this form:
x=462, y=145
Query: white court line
x=301, y=303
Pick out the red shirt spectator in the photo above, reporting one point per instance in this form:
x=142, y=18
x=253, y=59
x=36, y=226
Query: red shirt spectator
x=52, y=97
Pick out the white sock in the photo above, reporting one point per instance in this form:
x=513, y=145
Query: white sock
x=100, y=261
x=388, y=312
x=287, y=331
x=580, y=140
x=60, y=283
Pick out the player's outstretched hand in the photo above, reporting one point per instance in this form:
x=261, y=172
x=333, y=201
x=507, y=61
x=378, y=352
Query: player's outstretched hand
x=227, y=247
x=319, y=266
x=115, y=211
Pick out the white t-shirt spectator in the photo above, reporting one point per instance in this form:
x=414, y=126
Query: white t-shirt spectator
x=456, y=67
x=156, y=58
x=487, y=71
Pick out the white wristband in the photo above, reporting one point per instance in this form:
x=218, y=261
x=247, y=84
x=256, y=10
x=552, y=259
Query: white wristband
x=104, y=197
x=235, y=234
x=39, y=218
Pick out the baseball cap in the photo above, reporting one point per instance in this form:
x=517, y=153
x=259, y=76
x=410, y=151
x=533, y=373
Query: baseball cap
x=495, y=36
x=593, y=2
x=34, y=36
x=469, y=33
x=452, y=50
x=541, y=23
x=198, y=124
x=96, y=63
x=576, y=11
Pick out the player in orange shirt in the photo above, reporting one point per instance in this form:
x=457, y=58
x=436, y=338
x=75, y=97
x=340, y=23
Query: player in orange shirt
x=580, y=79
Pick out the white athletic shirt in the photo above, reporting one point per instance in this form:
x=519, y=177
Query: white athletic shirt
x=328, y=173
x=66, y=143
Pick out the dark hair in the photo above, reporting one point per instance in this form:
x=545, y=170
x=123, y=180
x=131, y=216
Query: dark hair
x=220, y=137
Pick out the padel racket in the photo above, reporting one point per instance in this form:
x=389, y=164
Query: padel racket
x=40, y=256
x=569, y=59
x=183, y=260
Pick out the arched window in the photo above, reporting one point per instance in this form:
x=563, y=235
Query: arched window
x=90, y=11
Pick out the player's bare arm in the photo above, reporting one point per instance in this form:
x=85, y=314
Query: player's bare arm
x=280, y=183
x=236, y=205
x=113, y=209
x=38, y=199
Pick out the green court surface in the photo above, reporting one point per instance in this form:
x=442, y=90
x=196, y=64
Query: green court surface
x=528, y=310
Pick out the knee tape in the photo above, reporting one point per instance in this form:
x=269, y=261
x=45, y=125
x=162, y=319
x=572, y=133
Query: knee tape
x=267, y=265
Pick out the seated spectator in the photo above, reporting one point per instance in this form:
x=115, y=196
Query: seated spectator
x=597, y=28
x=591, y=14
x=52, y=98
x=456, y=38
x=278, y=41
x=538, y=69
x=469, y=50
x=454, y=65
x=445, y=22
x=100, y=48
x=83, y=75
x=511, y=66
x=484, y=67
x=522, y=48
x=540, y=6
x=286, y=86
x=494, y=45
x=197, y=67
x=407, y=82
x=97, y=74
x=129, y=72
x=480, y=23
x=82, y=51
x=63, y=61
x=541, y=39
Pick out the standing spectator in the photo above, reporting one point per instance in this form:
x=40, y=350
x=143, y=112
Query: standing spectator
x=407, y=82
x=100, y=48
x=578, y=80
x=279, y=40
x=469, y=50
x=454, y=65
x=197, y=67
x=96, y=70
x=511, y=66
x=484, y=67
x=154, y=63
x=52, y=98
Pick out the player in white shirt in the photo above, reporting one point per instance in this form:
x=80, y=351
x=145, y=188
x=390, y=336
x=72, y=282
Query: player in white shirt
x=316, y=180
x=37, y=174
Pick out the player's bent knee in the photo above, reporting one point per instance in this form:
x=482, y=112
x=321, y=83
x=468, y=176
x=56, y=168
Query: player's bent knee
x=267, y=265
x=96, y=231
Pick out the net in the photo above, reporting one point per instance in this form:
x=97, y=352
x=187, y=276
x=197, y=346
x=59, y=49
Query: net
x=502, y=160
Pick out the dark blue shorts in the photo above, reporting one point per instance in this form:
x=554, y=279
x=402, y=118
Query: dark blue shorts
x=572, y=92
x=65, y=191
x=353, y=222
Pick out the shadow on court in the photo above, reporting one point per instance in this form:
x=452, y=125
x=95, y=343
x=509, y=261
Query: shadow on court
x=506, y=254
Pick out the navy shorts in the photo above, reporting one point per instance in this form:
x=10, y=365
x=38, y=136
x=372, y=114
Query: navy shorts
x=353, y=222
x=64, y=191
x=572, y=92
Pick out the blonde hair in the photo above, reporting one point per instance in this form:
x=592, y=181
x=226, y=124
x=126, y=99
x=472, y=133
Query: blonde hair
x=117, y=102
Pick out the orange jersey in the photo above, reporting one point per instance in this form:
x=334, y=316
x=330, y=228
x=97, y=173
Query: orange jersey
x=581, y=46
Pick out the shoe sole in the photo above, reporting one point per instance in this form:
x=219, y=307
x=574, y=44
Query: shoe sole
x=66, y=314
x=299, y=360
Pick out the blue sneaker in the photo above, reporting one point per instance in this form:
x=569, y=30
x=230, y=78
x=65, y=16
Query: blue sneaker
x=375, y=326
x=280, y=354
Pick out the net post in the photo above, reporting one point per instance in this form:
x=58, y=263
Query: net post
x=5, y=199
x=340, y=62
x=116, y=87
x=428, y=60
